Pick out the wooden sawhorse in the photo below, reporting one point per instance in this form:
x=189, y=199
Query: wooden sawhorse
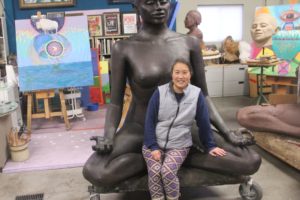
x=45, y=95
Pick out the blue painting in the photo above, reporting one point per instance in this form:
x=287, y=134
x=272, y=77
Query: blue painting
x=53, y=53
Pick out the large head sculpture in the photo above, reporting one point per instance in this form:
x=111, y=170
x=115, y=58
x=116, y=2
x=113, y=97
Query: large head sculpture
x=262, y=29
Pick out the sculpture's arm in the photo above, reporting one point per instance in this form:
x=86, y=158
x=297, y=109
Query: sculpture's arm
x=198, y=79
x=114, y=110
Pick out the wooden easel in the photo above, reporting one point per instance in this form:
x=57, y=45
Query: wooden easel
x=45, y=95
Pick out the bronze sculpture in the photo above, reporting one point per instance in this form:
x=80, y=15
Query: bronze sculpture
x=144, y=60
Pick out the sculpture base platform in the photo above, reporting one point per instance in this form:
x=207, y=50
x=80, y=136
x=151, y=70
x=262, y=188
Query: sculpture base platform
x=189, y=178
x=281, y=146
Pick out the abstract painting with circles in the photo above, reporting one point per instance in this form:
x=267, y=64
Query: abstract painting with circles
x=53, y=52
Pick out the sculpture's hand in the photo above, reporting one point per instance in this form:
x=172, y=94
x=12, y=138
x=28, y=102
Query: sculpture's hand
x=241, y=137
x=103, y=145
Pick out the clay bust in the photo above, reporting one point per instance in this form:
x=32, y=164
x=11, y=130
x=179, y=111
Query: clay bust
x=144, y=61
x=191, y=22
x=231, y=50
x=262, y=29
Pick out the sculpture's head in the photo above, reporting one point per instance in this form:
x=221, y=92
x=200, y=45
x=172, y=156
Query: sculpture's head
x=153, y=11
x=262, y=29
x=192, y=19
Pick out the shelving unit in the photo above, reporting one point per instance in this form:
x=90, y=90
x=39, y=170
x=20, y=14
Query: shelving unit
x=104, y=43
x=9, y=94
x=3, y=41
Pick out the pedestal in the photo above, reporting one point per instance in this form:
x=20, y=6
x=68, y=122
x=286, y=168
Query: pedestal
x=6, y=125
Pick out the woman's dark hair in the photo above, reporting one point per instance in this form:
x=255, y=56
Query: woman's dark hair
x=181, y=60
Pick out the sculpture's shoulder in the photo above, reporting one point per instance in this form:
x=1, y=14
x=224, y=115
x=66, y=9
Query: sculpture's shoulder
x=188, y=40
x=122, y=45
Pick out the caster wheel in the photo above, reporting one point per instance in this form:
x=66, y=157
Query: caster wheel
x=251, y=192
x=95, y=197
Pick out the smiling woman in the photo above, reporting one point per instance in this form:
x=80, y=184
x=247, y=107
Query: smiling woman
x=31, y=4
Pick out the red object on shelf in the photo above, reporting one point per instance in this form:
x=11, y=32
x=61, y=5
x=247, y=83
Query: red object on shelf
x=96, y=95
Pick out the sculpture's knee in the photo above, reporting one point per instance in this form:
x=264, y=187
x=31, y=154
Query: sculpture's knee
x=97, y=175
x=242, y=117
x=254, y=162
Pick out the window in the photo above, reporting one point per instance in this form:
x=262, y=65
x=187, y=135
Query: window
x=220, y=21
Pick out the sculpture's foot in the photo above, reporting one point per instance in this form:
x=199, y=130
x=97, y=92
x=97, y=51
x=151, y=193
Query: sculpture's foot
x=250, y=190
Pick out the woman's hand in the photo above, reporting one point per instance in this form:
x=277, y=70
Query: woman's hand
x=217, y=152
x=156, y=155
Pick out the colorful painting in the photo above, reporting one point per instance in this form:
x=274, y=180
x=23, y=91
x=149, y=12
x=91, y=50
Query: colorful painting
x=286, y=41
x=53, y=53
x=95, y=25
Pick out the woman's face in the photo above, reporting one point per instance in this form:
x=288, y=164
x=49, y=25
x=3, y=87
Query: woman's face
x=181, y=76
x=154, y=11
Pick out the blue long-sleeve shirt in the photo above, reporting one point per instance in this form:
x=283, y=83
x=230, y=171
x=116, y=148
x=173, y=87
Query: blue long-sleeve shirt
x=202, y=121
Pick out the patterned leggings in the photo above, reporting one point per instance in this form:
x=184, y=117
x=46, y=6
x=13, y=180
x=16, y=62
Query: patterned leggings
x=162, y=175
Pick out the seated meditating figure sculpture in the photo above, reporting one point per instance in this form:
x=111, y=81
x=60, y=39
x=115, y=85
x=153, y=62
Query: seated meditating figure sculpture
x=144, y=61
x=281, y=118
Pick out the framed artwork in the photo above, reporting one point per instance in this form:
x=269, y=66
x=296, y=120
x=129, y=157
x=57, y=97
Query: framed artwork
x=111, y=23
x=120, y=1
x=95, y=25
x=129, y=23
x=32, y=4
x=53, y=15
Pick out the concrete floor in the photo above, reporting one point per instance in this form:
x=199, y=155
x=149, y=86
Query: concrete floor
x=278, y=180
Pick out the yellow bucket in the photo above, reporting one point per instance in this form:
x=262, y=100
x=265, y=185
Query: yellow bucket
x=19, y=153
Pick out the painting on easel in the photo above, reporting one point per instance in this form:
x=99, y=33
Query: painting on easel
x=53, y=52
x=285, y=40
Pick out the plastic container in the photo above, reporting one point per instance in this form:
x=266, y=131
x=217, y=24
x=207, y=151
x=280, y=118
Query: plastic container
x=19, y=153
x=93, y=107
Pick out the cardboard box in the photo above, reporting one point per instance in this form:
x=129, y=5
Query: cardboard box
x=253, y=85
x=282, y=99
